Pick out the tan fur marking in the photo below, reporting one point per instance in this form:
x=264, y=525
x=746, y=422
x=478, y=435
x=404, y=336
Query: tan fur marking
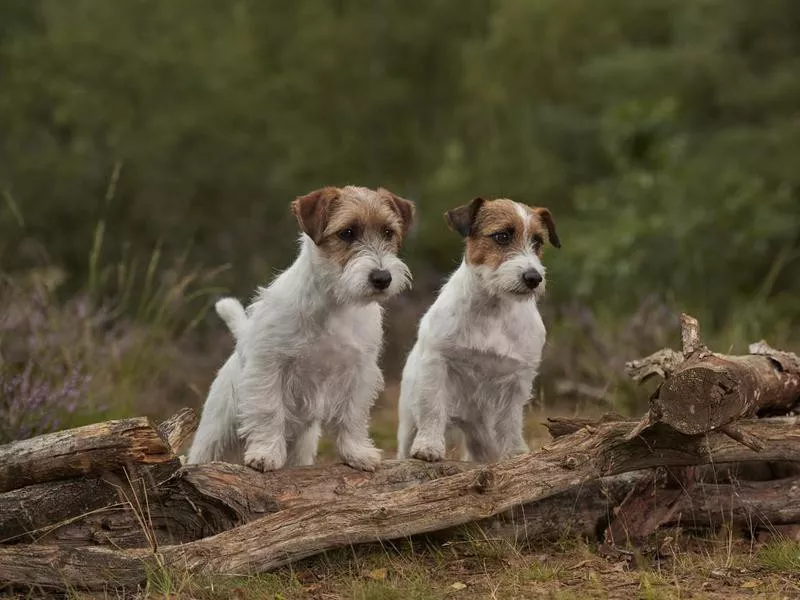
x=312, y=210
x=537, y=227
x=371, y=217
x=502, y=215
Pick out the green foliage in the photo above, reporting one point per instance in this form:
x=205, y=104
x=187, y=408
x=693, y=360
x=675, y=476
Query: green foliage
x=781, y=555
x=663, y=134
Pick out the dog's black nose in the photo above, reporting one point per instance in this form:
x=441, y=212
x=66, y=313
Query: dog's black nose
x=380, y=279
x=532, y=278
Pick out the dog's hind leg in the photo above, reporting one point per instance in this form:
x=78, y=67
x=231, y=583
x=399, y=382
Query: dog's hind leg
x=215, y=438
x=480, y=442
x=406, y=430
x=509, y=428
x=303, y=449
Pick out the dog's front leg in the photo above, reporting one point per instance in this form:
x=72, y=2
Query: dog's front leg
x=431, y=412
x=351, y=424
x=262, y=415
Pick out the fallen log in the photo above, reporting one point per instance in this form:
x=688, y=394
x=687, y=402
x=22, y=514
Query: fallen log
x=479, y=493
x=195, y=502
x=704, y=391
x=203, y=500
x=29, y=513
x=64, y=454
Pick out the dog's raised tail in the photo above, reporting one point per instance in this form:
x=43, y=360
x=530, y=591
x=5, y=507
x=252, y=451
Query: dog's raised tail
x=232, y=312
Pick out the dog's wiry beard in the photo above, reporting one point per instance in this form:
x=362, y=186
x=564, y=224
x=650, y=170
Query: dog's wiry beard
x=349, y=283
x=506, y=280
x=353, y=285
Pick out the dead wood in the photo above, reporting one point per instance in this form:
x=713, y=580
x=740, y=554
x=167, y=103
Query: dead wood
x=179, y=428
x=749, y=506
x=56, y=511
x=704, y=391
x=35, y=511
x=579, y=512
x=64, y=454
x=561, y=426
x=198, y=501
x=297, y=532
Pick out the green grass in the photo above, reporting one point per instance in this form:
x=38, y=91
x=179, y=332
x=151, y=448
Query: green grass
x=781, y=556
x=430, y=567
x=540, y=572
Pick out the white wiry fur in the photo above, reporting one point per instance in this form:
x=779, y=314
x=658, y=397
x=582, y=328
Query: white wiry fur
x=307, y=354
x=232, y=312
x=477, y=353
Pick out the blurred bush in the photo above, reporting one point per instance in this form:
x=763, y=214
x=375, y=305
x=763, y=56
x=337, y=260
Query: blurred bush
x=664, y=135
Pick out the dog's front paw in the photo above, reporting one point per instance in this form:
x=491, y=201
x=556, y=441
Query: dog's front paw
x=364, y=459
x=261, y=459
x=424, y=450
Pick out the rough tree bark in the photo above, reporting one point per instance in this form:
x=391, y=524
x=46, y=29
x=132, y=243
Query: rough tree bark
x=204, y=500
x=704, y=391
x=293, y=533
x=195, y=502
x=32, y=512
x=746, y=505
x=64, y=454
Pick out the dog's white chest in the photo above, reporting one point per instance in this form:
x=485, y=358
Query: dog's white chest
x=500, y=344
x=345, y=340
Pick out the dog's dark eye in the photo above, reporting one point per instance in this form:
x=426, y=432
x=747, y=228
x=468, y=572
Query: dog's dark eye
x=388, y=233
x=502, y=238
x=348, y=235
x=537, y=242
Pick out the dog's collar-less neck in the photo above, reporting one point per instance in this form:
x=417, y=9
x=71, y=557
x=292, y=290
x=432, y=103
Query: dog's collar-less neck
x=316, y=289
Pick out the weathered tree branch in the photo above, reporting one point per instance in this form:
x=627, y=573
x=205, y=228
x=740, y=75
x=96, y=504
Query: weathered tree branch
x=745, y=505
x=103, y=446
x=198, y=501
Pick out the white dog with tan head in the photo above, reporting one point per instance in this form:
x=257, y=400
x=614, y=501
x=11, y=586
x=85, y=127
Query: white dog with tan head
x=480, y=344
x=308, y=346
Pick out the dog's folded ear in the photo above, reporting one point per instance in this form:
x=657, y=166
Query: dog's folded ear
x=312, y=211
x=547, y=218
x=462, y=219
x=404, y=208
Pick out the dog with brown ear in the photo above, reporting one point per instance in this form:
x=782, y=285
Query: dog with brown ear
x=308, y=346
x=479, y=345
